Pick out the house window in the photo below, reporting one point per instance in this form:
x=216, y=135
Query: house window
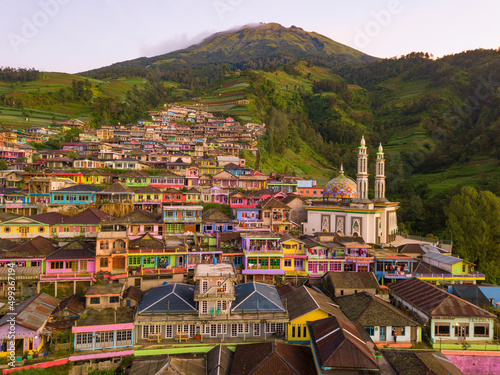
x=104, y=245
x=124, y=335
x=293, y=331
x=148, y=228
x=481, y=329
x=348, y=267
x=150, y=329
x=370, y=330
x=208, y=227
x=204, y=307
x=299, y=263
x=66, y=229
x=134, y=261
x=114, y=299
x=95, y=300
x=83, y=198
x=41, y=229
x=464, y=268
x=57, y=265
x=442, y=329
x=267, y=214
x=104, y=262
x=7, y=229
x=288, y=262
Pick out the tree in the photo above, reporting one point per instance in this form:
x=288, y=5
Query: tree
x=474, y=221
x=3, y=165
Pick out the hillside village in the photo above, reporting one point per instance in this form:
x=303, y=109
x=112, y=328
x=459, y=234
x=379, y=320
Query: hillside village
x=145, y=237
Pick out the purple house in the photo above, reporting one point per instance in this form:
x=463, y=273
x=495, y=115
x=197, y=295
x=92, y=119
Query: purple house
x=73, y=261
x=31, y=316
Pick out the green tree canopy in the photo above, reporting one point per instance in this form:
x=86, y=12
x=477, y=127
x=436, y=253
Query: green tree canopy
x=474, y=220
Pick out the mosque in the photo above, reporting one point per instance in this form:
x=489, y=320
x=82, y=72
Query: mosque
x=347, y=210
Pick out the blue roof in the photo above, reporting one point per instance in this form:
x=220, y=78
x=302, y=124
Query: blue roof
x=172, y=298
x=491, y=292
x=256, y=296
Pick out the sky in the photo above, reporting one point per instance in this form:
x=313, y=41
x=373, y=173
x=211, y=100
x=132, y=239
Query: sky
x=78, y=35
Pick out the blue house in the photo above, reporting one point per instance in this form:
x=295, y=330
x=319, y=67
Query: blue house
x=79, y=194
x=214, y=220
x=180, y=219
x=237, y=170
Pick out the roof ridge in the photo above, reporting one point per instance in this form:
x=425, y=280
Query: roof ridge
x=316, y=303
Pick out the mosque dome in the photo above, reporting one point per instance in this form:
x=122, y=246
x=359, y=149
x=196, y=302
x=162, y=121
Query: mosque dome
x=341, y=187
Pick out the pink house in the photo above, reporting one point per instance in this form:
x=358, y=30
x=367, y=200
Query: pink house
x=73, y=261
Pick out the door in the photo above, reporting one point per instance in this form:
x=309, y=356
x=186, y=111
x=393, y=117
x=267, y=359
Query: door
x=24, y=231
x=83, y=266
x=213, y=330
x=382, y=334
x=256, y=329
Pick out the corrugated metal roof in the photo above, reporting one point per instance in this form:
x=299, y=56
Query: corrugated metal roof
x=219, y=360
x=34, y=312
x=338, y=344
x=442, y=258
x=435, y=302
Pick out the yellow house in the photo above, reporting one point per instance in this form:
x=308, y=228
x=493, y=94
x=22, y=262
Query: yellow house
x=294, y=256
x=18, y=226
x=448, y=268
x=306, y=305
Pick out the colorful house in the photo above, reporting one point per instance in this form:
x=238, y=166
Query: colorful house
x=253, y=181
x=138, y=223
x=31, y=316
x=214, y=220
x=148, y=198
x=294, y=256
x=17, y=226
x=150, y=256
x=306, y=305
x=84, y=224
x=263, y=256
x=167, y=180
x=448, y=268
x=111, y=249
x=77, y=194
x=181, y=219
x=117, y=192
x=276, y=215
x=386, y=325
x=74, y=261
x=451, y=321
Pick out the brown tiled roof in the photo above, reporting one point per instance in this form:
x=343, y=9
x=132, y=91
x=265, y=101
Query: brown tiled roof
x=290, y=198
x=353, y=280
x=338, y=344
x=137, y=216
x=117, y=187
x=74, y=303
x=90, y=216
x=105, y=289
x=133, y=293
x=36, y=247
x=146, y=241
x=213, y=215
x=368, y=310
x=50, y=218
x=270, y=202
x=434, y=301
x=272, y=358
x=420, y=363
x=33, y=312
x=282, y=290
x=410, y=248
x=146, y=190
x=73, y=250
x=304, y=300
x=425, y=268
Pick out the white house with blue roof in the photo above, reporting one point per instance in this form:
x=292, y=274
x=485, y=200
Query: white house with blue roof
x=213, y=309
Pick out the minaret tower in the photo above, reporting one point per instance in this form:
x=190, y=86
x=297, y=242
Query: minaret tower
x=380, y=177
x=362, y=175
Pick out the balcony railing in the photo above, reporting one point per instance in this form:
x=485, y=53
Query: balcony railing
x=152, y=251
x=273, y=250
x=449, y=275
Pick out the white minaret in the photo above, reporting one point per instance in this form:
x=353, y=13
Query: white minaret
x=362, y=175
x=380, y=176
